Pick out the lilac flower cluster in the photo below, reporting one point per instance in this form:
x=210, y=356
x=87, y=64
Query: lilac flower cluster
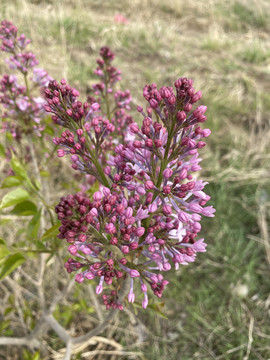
x=115, y=110
x=20, y=106
x=146, y=215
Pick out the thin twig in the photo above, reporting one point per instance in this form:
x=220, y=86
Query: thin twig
x=68, y=351
x=95, y=302
x=113, y=352
x=28, y=341
x=60, y=331
x=250, y=338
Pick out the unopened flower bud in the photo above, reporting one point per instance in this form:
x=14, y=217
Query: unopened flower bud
x=95, y=106
x=134, y=273
x=97, y=196
x=167, y=173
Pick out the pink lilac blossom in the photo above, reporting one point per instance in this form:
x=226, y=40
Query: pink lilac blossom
x=22, y=111
x=145, y=218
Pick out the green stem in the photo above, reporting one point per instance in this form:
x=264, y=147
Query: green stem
x=106, y=94
x=98, y=166
x=26, y=84
x=93, y=158
x=34, y=251
x=163, y=165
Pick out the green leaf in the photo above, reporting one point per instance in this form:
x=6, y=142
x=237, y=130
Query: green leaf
x=2, y=241
x=14, y=197
x=49, y=130
x=33, y=226
x=12, y=262
x=41, y=246
x=25, y=208
x=3, y=251
x=157, y=308
x=44, y=173
x=18, y=168
x=2, y=151
x=52, y=232
x=11, y=181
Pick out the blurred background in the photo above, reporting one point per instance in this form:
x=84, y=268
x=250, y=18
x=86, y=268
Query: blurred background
x=218, y=307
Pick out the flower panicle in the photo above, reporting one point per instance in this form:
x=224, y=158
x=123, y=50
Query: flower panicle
x=20, y=106
x=145, y=218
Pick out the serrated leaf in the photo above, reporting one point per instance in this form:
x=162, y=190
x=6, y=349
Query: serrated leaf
x=25, y=208
x=33, y=226
x=52, y=232
x=14, y=197
x=11, y=181
x=11, y=263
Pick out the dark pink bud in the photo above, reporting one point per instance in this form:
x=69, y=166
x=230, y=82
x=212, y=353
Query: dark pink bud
x=125, y=249
x=157, y=127
x=181, y=116
x=153, y=103
x=198, y=130
x=129, y=212
x=133, y=245
x=94, y=212
x=167, y=210
x=95, y=106
x=120, y=209
x=172, y=100
x=123, y=261
x=149, y=185
x=137, y=144
x=110, y=127
x=167, y=173
x=158, y=143
x=79, y=278
x=166, y=189
x=149, y=143
x=188, y=107
x=72, y=249
x=183, y=174
x=97, y=196
x=134, y=273
x=61, y=152
x=191, y=91
x=183, y=217
x=201, y=144
x=47, y=108
x=206, y=132
x=113, y=241
x=110, y=228
x=178, y=83
x=140, y=231
x=107, y=208
x=134, y=128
